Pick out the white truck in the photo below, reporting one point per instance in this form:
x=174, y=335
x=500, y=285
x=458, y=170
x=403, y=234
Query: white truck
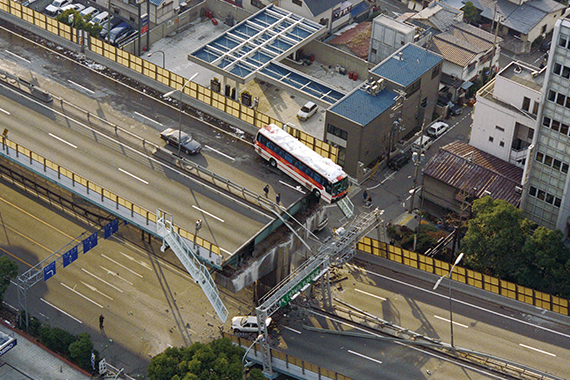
x=54, y=8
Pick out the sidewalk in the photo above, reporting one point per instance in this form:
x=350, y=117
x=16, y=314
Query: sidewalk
x=30, y=361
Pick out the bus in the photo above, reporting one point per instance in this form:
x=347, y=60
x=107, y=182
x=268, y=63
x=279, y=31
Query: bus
x=320, y=175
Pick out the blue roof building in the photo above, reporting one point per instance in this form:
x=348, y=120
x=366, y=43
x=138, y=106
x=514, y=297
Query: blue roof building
x=407, y=65
x=368, y=123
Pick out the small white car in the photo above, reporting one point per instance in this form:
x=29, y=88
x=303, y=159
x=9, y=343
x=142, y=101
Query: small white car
x=308, y=110
x=245, y=324
x=437, y=129
x=54, y=8
x=423, y=142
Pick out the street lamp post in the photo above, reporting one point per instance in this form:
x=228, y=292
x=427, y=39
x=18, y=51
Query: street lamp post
x=439, y=282
x=168, y=94
x=249, y=348
x=163, y=56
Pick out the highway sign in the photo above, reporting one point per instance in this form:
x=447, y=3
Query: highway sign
x=89, y=242
x=49, y=271
x=70, y=256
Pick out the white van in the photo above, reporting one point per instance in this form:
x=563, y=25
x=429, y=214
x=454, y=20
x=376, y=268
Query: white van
x=89, y=13
x=423, y=142
x=437, y=129
x=100, y=19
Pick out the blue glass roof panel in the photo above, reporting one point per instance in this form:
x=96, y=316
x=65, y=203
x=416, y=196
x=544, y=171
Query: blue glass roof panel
x=362, y=108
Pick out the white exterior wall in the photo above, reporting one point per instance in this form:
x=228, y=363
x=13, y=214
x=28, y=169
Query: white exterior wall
x=549, y=21
x=487, y=115
x=513, y=93
x=452, y=69
x=387, y=37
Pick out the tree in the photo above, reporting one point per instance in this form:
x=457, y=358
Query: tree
x=56, y=339
x=471, y=14
x=219, y=359
x=80, y=351
x=494, y=238
x=8, y=271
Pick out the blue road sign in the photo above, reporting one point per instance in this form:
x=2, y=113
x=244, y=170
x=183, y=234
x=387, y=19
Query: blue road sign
x=89, y=242
x=49, y=271
x=70, y=256
x=111, y=228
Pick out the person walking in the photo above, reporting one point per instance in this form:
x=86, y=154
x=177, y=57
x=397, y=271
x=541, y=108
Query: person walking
x=101, y=320
x=278, y=198
x=364, y=195
x=266, y=190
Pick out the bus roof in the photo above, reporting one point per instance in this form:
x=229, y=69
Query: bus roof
x=325, y=166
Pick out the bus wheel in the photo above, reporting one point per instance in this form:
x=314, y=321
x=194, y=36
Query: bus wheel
x=317, y=194
x=273, y=163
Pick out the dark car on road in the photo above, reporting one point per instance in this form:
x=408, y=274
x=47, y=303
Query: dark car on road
x=397, y=162
x=188, y=146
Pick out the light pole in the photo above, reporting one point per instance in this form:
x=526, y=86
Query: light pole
x=163, y=56
x=249, y=348
x=198, y=226
x=439, y=282
x=168, y=94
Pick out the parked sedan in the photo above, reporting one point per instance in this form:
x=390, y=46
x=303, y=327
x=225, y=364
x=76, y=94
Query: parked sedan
x=188, y=146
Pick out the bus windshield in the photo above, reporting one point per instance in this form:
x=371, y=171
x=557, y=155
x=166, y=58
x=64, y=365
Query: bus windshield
x=340, y=186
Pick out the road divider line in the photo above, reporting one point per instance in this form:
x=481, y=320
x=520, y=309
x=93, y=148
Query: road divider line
x=537, y=350
x=121, y=265
x=17, y=56
x=290, y=329
x=109, y=271
x=100, y=279
x=370, y=294
x=220, y=153
x=62, y=140
x=447, y=320
x=147, y=118
x=134, y=176
x=81, y=295
x=207, y=213
x=3, y=110
x=93, y=288
x=364, y=356
x=80, y=86
x=141, y=263
x=60, y=310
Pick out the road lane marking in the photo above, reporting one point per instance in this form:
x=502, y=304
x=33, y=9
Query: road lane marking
x=447, y=320
x=62, y=140
x=81, y=295
x=58, y=309
x=370, y=294
x=121, y=265
x=290, y=329
x=134, y=176
x=364, y=356
x=17, y=56
x=100, y=279
x=147, y=118
x=81, y=87
x=96, y=290
x=298, y=188
x=3, y=110
x=141, y=263
x=109, y=271
x=461, y=302
x=537, y=350
x=220, y=153
x=207, y=213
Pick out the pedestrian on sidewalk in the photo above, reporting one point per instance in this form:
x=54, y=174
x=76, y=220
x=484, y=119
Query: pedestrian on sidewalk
x=278, y=199
x=369, y=201
x=101, y=320
x=266, y=190
x=364, y=195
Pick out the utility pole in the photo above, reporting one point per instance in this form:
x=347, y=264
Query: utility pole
x=396, y=123
x=417, y=157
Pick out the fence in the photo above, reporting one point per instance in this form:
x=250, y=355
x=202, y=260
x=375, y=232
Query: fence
x=466, y=276
x=99, y=195
x=163, y=76
x=291, y=365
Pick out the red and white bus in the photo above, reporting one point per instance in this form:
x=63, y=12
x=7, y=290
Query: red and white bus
x=320, y=175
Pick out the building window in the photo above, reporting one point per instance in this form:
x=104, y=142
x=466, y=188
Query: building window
x=560, y=99
x=526, y=103
x=551, y=95
x=424, y=102
x=532, y=191
x=535, y=108
x=546, y=122
x=557, y=164
x=539, y=156
x=413, y=88
x=499, y=128
x=530, y=133
x=557, y=68
x=557, y=202
x=502, y=144
x=298, y=2
x=374, y=51
x=564, y=129
x=337, y=132
x=566, y=72
x=435, y=72
x=564, y=168
x=543, y=30
x=541, y=195
x=562, y=41
x=257, y=3
x=555, y=125
x=471, y=67
x=491, y=139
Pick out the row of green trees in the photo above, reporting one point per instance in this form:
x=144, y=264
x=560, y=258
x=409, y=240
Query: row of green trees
x=73, y=18
x=501, y=243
